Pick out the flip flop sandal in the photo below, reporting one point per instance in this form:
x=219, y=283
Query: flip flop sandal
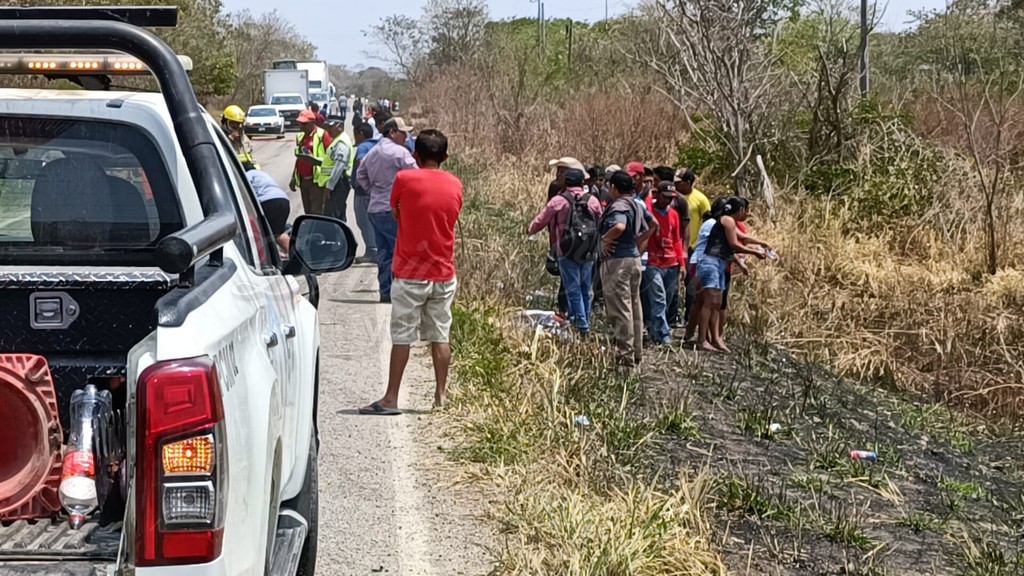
x=376, y=409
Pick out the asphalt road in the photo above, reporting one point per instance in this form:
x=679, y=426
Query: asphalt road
x=384, y=503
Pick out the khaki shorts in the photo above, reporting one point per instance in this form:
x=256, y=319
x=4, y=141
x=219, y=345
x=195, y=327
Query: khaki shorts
x=421, y=304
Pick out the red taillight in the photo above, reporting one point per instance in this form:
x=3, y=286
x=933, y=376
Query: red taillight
x=179, y=413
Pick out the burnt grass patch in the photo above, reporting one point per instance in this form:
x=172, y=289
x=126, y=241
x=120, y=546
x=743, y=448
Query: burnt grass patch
x=944, y=496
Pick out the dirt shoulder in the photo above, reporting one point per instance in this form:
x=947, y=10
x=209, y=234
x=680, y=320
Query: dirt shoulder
x=942, y=497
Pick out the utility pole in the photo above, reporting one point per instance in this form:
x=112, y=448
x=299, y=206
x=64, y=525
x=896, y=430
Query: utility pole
x=863, y=48
x=606, y=10
x=540, y=27
x=568, y=32
x=543, y=32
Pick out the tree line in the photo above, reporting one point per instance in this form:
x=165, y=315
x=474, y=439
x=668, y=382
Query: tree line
x=748, y=79
x=229, y=51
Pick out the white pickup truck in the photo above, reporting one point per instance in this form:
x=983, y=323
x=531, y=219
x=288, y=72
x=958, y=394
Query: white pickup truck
x=134, y=257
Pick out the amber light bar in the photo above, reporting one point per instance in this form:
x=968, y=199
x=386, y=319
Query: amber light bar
x=95, y=64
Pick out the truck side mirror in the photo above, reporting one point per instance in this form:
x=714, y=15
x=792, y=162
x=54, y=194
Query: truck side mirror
x=320, y=244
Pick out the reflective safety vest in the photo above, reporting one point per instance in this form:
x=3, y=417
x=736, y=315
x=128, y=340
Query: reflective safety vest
x=319, y=152
x=243, y=150
x=328, y=166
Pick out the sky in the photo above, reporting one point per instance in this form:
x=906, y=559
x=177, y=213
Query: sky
x=335, y=27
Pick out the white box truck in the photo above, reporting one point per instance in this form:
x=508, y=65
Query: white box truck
x=288, y=90
x=318, y=74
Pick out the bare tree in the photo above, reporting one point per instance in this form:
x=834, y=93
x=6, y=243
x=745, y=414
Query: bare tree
x=979, y=83
x=256, y=42
x=402, y=44
x=514, y=85
x=455, y=29
x=719, y=56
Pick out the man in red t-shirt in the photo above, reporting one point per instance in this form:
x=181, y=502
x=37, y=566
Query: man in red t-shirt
x=665, y=257
x=426, y=203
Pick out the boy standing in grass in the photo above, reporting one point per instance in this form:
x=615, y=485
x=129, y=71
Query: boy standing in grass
x=426, y=203
x=664, y=257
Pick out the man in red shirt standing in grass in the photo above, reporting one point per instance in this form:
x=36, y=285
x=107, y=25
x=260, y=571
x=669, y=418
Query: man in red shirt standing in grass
x=426, y=203
x=665, y=257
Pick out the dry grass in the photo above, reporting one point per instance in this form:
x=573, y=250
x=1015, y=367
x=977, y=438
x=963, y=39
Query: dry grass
x=909, y=306
x=483, y=115
x=575, y=499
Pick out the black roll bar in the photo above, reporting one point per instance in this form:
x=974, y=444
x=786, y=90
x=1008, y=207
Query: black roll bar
x=144, y=16
x=177, y=253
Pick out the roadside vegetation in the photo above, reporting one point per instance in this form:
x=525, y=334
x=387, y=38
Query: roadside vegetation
x=891, y=324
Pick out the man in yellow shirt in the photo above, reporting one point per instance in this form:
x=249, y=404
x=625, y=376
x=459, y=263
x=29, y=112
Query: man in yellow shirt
x=699, y=206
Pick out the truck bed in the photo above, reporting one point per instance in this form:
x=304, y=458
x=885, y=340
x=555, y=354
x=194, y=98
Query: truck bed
x=38, y=540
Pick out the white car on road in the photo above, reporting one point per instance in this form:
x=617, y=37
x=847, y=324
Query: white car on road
x=264, y=120
x=135, y=257
x=289, y=105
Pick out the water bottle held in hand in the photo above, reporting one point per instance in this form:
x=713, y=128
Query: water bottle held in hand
x=78, y=476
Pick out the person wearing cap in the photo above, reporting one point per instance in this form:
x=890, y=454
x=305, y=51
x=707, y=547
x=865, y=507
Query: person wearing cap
x=556, y=187
x=636, y=171
x=674, y=311
x=561, y=165
x=310, y=154
x=376, y=174
x=576, y=276
x=625, y=226
x=699, y=205
x=338, y=169
x=665, y=256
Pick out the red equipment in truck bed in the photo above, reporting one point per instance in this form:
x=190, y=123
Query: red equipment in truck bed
x=30, y=439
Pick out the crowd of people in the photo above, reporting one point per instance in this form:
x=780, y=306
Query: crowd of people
x=641, y=243
x=391, y=173
x=635, y=240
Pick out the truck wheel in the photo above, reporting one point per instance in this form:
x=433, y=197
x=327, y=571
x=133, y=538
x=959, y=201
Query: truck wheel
x=307, y=504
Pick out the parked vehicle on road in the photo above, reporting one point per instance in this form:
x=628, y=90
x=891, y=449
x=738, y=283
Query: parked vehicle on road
x=289, y=104
x=264, y=120
x=322, y=100
x=137, y=265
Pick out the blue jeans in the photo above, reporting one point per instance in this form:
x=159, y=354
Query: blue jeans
x=362, y=203
x=385, y=230
x=661, y=283
x=645, y=296
x=576, y=277
x=673, y=311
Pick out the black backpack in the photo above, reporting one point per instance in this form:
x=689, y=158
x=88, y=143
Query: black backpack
x=580, y=238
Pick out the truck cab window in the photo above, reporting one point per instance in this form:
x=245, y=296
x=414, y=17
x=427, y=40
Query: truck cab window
x=81, y=191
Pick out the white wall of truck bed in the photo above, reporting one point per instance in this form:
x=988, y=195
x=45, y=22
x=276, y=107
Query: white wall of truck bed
x=252, y=408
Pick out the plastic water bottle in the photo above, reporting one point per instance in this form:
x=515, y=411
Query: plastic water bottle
x=865, y=455
x=78, y=476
